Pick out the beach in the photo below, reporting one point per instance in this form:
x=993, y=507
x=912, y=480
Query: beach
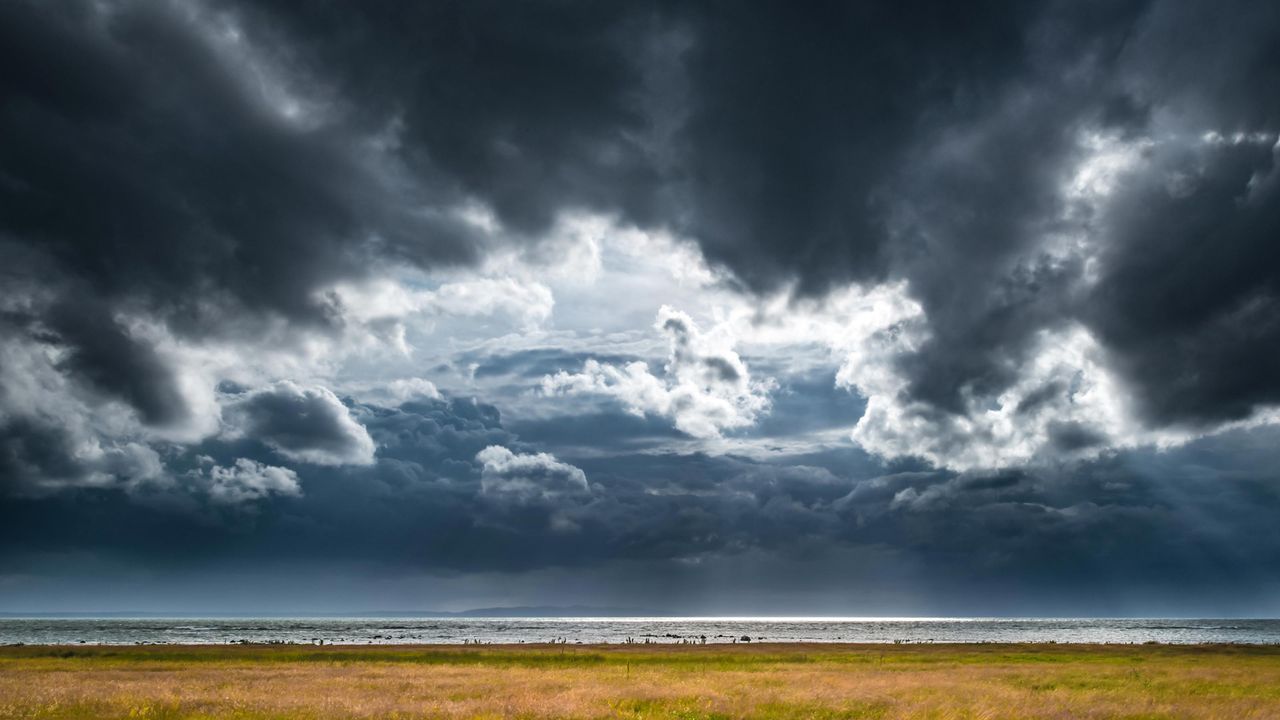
x=766, y=680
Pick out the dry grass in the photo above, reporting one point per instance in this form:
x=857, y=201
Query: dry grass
x=771, y=681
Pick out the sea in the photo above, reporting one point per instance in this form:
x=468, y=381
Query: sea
x=516, y=630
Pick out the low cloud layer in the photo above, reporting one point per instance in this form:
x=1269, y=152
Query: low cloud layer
x=455, y=492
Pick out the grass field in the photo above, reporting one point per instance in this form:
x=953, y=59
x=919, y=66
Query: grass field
x=669, y=681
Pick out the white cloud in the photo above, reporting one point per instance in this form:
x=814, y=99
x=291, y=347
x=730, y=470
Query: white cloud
x=392, y=391
x=527, y=476
x=530, y=303
x=527, y=302
x=404, y=389
x=244, y=481
x=705, y=389
x=1064, y=404
x=587, y=249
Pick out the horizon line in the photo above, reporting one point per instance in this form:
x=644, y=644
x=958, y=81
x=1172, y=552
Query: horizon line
x=483, y=614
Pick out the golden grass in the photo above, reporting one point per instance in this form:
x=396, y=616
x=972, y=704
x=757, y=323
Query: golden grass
x=673, y=681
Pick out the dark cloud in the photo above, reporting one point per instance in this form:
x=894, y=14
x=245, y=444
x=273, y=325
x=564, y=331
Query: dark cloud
x=801, y=116
x=152, y=168
x=158, y=165
x=1189, y=298
x=934, y=146
x=431, y=505
x=309, y=425
x=39, y=457
x=546, y=103
x=104, y=355
x=215, y=167
x=213, y=164
x=583, y=430
x=32, y=454
x=1070, y=436
x=945, y=165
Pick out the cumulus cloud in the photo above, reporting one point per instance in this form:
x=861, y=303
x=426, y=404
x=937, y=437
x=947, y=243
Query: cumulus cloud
x=1106, y=364
x=527, y=475
x=705, y=387
x=245, y=481
x=1062, y=404
x=392, y=392
x=58, y=433
x=40, y=458
x=306, y=424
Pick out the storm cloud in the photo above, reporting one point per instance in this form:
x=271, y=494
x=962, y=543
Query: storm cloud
x=981, y=295
x=303, y=424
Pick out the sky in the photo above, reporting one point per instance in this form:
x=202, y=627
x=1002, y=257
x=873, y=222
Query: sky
x=910, y=308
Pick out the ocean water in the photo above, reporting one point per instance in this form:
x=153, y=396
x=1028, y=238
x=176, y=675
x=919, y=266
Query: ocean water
x=458, y=630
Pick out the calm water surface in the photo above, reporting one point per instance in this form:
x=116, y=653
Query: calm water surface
x=638, y=629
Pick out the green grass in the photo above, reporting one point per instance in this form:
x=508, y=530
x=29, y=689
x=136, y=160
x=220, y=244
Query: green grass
x=947, y=682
